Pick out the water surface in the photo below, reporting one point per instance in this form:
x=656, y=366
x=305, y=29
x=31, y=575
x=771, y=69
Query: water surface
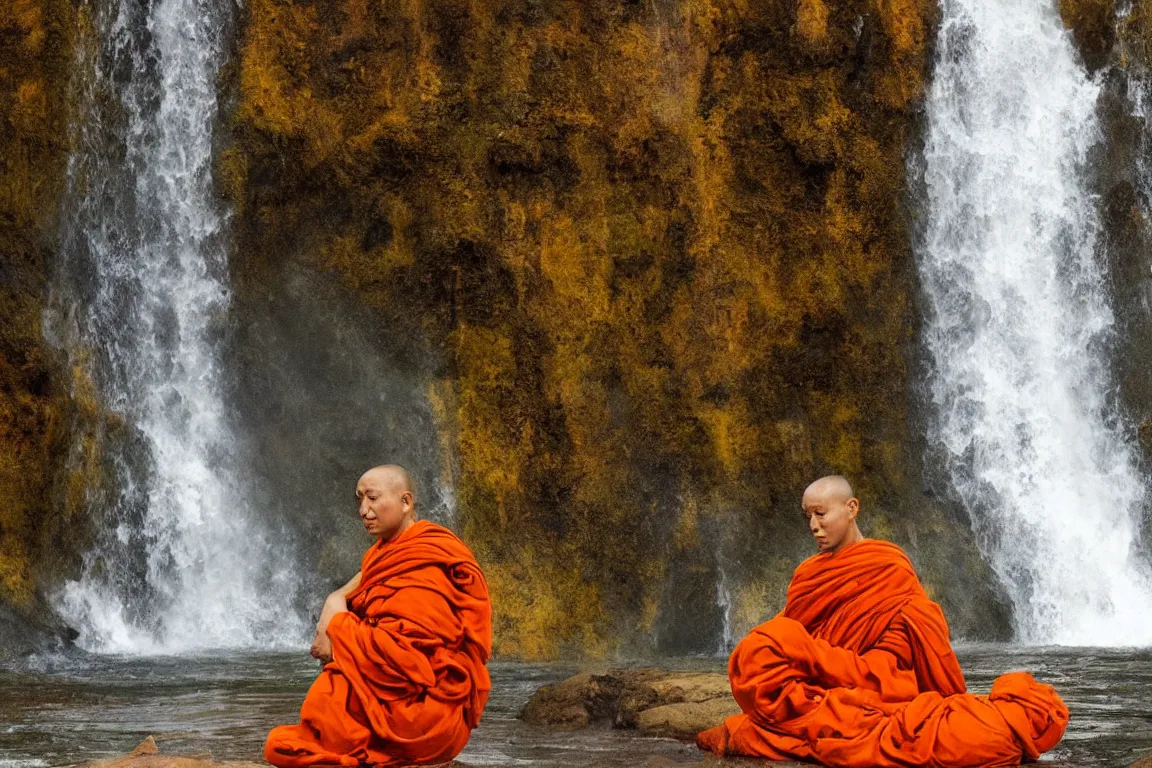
x=57, y=710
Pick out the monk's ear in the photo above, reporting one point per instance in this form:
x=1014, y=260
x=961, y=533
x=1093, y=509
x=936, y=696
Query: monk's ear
x=406, y=498
x=853, y=507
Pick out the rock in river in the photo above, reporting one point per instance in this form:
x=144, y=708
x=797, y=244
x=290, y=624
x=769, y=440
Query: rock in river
x=653, y=701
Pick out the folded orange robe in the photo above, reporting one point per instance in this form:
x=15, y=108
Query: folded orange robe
x=407, y=681
x=858, y=671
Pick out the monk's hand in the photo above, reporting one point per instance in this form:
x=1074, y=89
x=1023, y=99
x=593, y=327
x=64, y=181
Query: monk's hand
x=321, y=643
x=322, y=647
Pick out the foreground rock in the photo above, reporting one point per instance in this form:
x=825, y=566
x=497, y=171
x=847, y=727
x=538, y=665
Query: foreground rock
x=147, y=755
x=653, y=701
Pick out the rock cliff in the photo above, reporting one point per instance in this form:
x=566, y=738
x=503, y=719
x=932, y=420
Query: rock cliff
x=35, y=55
x=644, y=267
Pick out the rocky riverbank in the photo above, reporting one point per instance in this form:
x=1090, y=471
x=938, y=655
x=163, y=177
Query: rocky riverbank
x=652, y=701
x=147, y=755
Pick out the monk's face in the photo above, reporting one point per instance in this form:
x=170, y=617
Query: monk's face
x=386, y=506
x=831, y=519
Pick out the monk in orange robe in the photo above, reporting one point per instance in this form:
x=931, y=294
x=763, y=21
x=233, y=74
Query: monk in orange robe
x=405, y=644
x=858, y=669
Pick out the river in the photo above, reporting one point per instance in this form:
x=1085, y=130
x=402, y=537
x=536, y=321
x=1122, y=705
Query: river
x=59, y=710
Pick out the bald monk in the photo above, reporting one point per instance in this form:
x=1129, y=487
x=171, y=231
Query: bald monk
x=404, y=645
x=858, y=669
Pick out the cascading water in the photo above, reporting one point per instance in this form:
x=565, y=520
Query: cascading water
x=724, y=600
x=1019, y=322
x=140, y=302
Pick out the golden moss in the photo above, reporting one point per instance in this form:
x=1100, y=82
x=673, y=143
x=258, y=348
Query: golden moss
x=541, y=610
x=812, y=21
x=33, y=80
x=1093, y=25
x=655, y=249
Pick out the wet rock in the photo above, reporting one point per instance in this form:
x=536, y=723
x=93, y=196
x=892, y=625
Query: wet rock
x=147, y=755
x=685, y=719
x=713, y=761
x=641, y=263
x=653, y=701
x=36, y=61
x=1093, y=27
x=34, y=628
x=146, y=747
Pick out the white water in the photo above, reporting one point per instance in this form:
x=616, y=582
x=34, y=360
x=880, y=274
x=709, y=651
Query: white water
x=724, y=600
x=1018, y=323
x=182, y=563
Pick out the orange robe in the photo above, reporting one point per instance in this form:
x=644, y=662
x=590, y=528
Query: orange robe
x=858, y=671
x=407, y=681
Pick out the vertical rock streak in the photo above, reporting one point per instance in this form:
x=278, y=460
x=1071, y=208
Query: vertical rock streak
x=140, y=301
x=1019, y=324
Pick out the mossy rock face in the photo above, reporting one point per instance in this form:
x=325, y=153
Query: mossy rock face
x=1093, y=27
x=639, y=271
x=1118, y=170
x=648, y=262
x=34, y=62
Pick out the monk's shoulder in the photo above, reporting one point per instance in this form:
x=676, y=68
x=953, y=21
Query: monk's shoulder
x=434, y=532
x=445, y=539
x=429, y=528
x=870, y=551
x=879, y=548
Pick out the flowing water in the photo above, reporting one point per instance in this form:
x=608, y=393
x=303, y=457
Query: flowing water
x=1019, y=326
x=56, y=711
x=140, y=304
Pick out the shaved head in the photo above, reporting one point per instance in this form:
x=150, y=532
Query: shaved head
x=831, y=487
x=830, y=506
x=393, y=476
x=387, y=502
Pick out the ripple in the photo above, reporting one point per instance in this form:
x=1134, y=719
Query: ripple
x=62, y=710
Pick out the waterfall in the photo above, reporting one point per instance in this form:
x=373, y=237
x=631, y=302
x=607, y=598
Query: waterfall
x=1019, y=323
x=724, y=600
x=180, y=561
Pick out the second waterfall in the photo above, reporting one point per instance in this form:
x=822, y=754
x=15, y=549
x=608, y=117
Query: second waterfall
x=140, y=303
x=1019, y=322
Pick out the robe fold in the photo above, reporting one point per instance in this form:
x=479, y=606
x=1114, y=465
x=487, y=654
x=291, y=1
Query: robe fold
x=858, y=670
x=407, y=681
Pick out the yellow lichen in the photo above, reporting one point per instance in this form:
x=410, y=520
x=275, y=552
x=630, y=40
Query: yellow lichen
x=34, y=65
x=812, y=21
x=662, y=269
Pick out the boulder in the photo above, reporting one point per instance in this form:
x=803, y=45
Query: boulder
x=653, y=701
x=685, y=719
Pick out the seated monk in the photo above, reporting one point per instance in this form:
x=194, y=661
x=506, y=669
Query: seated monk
x=405, y=644
x=858, y=669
